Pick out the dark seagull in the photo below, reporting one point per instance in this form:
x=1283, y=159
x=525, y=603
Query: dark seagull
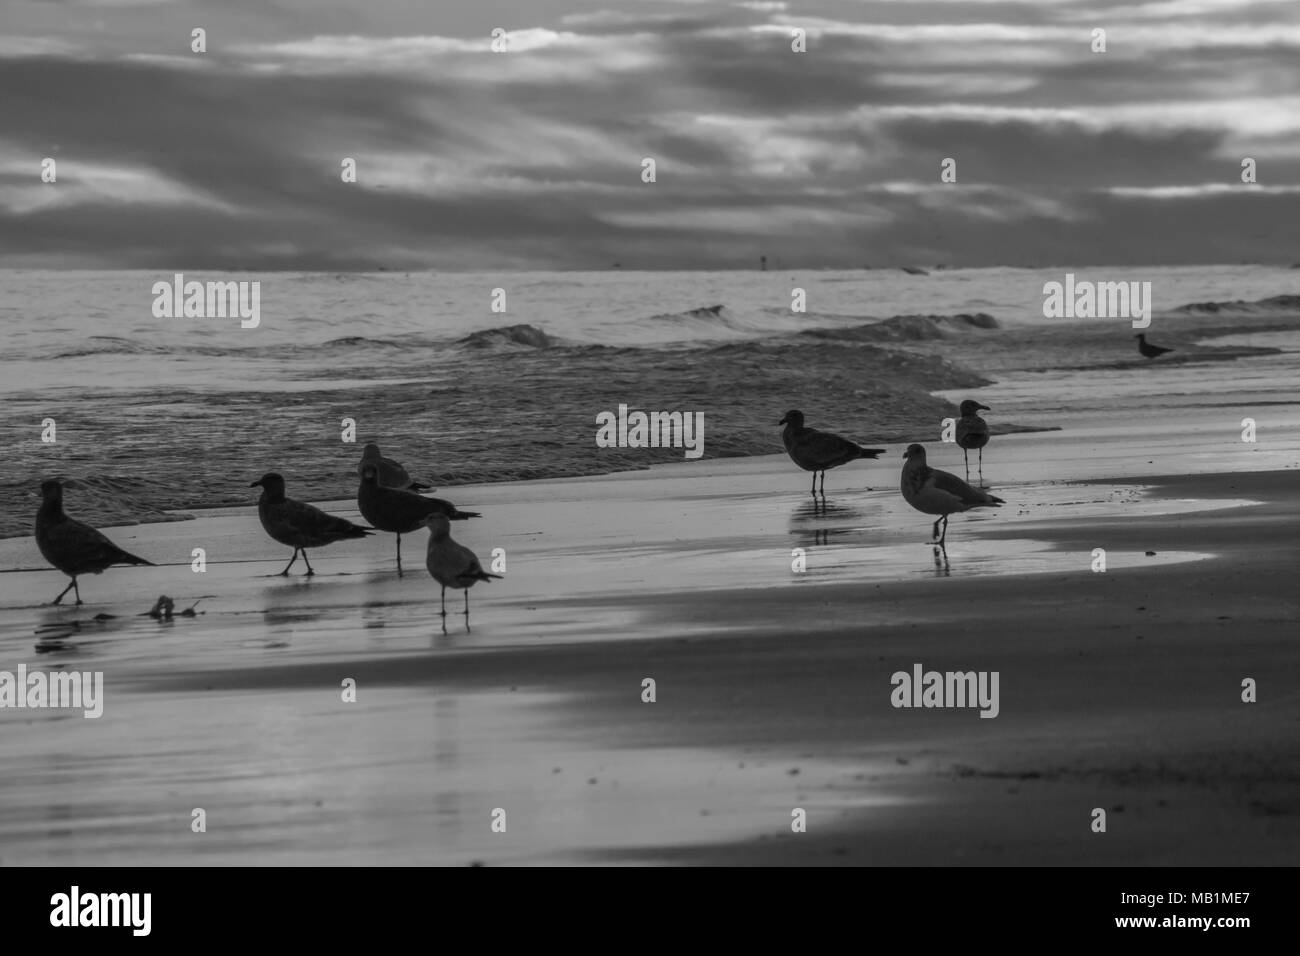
x=397, y=511
x=1147, y=349
x=816, y=451
x=391, y=473
x=297, y=524
x=972, y=433
x=71, y=546
x=452, y=565
x=934, y=492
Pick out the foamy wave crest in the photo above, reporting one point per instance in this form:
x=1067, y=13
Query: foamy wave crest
x=1276, y=305
x=527, y=336
x=911, y=328
x=705, y=317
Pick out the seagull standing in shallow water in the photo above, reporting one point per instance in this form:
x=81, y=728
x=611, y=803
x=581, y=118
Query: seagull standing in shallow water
x=397, y=511
x=972, y=432
x=72, y=546
x=298, y=524
x=452, y=565
x=816, y=451
x=934, y=492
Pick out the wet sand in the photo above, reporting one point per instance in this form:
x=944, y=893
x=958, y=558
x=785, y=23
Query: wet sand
x=1119, y=690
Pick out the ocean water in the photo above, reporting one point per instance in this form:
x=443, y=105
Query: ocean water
x=157, y=414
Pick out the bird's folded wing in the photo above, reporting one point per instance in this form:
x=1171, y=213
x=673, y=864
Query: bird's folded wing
x=308, y=519
x=823, y=446
x=394, y=475
x=955, y=486
x=83, y=541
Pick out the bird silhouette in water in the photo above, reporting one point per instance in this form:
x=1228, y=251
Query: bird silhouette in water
x=391, y=473
x=817, y=451
x=972, y=433
x=934, y=492
x=298, y=524
x=1147, y=349
x=452, y=565
x=73, y=546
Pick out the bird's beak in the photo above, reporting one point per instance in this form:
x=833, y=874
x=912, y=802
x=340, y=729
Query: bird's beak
x=904, y=454
x=985, y=408
x=254, y=484
x=781, y=422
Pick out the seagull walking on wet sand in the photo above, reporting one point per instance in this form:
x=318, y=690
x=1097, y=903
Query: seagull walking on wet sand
x=400, y=512
x=391, y=473
x=72, y=546
x=934, y=492
x=1147, y=349
x=972, y=433
x=452, y=565
x=816, y=451
x=298, y=524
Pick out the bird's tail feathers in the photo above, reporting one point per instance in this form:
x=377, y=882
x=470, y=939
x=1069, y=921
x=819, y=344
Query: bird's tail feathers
x=462, y=515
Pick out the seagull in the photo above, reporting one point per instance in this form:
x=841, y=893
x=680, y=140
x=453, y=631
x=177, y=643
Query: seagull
x=71, y=546
x=298, y=524
x=1147, y=349
x=398, y=511
x=972, y=432
x=391, y=473
x=816, y=451
x=935, y=492
x=452, y=565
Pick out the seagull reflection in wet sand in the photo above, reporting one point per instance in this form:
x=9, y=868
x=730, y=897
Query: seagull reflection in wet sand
x=845, y=518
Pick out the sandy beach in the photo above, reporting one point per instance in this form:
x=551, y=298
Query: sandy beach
x=1119, y=690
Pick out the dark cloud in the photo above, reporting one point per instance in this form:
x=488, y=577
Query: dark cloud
x=475, y=160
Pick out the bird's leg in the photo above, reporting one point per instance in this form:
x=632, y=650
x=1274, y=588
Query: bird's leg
x=399, y=555
x=310, y=572
x=814, y=487
x=285, y=572
x=934, y=532
x=944, y=537
x=981, y=467
x=64, y=591
x=823, y=482
x=444, y=602
x=965, y=454
x=76, y=589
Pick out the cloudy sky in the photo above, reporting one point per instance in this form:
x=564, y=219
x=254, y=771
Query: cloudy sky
x=532, y=158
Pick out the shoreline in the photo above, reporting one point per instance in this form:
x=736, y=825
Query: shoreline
x=773, y=687
x=760, y=709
